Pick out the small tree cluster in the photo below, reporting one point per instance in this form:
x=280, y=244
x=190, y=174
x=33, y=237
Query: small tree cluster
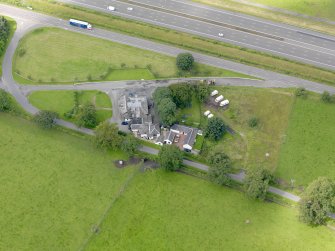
x=215, y=129
x=185, y=61
x=165, y=106
x=202, y=92
x=219, y=167
x=327, y=98
x=46, y=119
x=301, y=92
x=108, y=137
x=256, y=183
x=4, y=34
x=181, y=94
x=87, y=116
x=5, y=101
x=317, y=201
x=170, y=157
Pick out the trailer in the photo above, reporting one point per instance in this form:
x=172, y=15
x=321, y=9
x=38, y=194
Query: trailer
x=210, y=115
x=206, y=113
x=224, y=102
x=80, y=24
x=215, y=92
x=219, y=98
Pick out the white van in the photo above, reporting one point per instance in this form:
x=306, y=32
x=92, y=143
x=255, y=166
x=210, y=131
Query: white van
x=111, y=8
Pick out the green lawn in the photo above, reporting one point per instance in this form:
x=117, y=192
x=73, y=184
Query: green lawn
x=42, y=57
x=190, y=115
x=248, y=146
x=317, y=8
x=54, y=186
x=12, y=25
x=308, y=150
x=63, y=101
x=170, y=211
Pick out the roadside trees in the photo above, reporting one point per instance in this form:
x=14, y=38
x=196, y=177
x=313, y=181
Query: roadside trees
x=45, y=119
x=215, y=129
x=170, y=157
x=107, y=136
x=219, y=167
x=87, y=116
x=5, y=101
x=256, y=183
x=317, y=201
x=129, y=144
x=185, y=61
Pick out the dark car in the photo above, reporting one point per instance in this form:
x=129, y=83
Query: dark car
x=124, y=123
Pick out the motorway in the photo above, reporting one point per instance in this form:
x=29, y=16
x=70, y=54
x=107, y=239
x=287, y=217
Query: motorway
x=263, y=35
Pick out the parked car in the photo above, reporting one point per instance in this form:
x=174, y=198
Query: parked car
x=124, y=123
x=111, y=8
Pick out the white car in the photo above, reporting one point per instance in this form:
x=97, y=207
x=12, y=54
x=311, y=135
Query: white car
x=111, y=8
x=130, y=8
x=220, y=34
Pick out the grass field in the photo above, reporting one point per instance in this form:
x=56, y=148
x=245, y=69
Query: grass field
x=317, y=8
x=190, y=115
x=185, y=40
x=54, y=186
x=308, y=150
x=170, y=211
x=12, y=25
x=249, y=145
x=42, y=57
x=63, y=101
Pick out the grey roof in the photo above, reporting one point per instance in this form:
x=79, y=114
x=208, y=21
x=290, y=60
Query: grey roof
x=170, y=136
x=137, y=106
x=160, y=139
x=190, y=132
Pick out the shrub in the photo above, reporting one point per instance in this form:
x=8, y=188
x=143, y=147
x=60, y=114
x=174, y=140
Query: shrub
x=253, y=122
x=215, y=129
x=301, y=92
x=219, y=167
x=5, y=101
x=326, y=98
x=170, y=157
x=45, y=119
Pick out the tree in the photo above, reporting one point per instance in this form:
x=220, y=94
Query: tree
x=317, y=201
x=107, y=136
x=181, y=94
x=170, y=157
x=326, y=98
x=301, y=92
x=5, y=101
x=161, y=93
x=167, y=111
x=185, y=61
x=45, y=119
x=256, y=183
x=202, y=91
x=215, y=129
x=129, y=144
x=219, y=167
x=87, y=116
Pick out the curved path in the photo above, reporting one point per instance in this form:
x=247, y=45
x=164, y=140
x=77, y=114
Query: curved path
x=25, y=25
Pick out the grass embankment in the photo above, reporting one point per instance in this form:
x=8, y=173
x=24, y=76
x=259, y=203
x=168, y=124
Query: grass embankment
x=63, y=101
x=42, y=57
x=183, y=40
x=170, y=211
x=325, y=9
x=316, y=8
x=308, y=150
x=54, y=186
x=12, y=28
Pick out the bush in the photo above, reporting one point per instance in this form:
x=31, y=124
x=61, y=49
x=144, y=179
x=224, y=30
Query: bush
x=46, y=119
x=5, y=101
x=326, y=98
x=170, y=157
x=219, y=167
x=87, y=116
x=215, y=129
x=301, y=92
x=256, y=183
x=107, y=136
x=253, y=122
x=185, y=61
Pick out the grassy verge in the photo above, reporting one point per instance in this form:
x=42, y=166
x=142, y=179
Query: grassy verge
x=63, y=101
x=42, y=57
x=317, y=8
x=327, y=12
x=55, y=186
x=183, y=40
x=308, y=151
x=171, y=211
x=12, y=27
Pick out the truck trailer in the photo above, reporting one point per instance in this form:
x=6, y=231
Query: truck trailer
x=80, y=24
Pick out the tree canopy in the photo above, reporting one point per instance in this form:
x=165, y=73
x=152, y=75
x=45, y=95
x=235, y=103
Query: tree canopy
x=167, y=111
x=87, y=116
x=5, y=101
x=185, y=61
x=129, y=144
x=202, y=91
x=219, y=167
x=215, y=129
x=170, y=157
x=256, y=183
x=181, y=94
x=45, y=119
x=317, y=201
x=107, y=136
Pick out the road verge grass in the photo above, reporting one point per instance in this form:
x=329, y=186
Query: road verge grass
x=183, y=40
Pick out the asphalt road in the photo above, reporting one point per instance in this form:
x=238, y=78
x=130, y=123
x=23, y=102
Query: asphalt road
x=287, y=41
x=278, y=79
